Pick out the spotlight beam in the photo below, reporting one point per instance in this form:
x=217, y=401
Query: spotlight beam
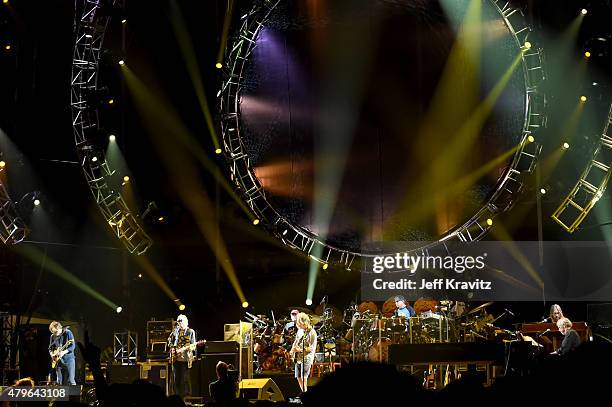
x=224, y=34
x=165, y=127
x=186, y=47
x=37, y=257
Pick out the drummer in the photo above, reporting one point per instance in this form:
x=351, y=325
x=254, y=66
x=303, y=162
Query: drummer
x=290, y=329
x=403, y=310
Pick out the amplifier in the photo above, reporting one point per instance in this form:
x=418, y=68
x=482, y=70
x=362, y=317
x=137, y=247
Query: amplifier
x=221, y=347
x=157, y=338
x=157, y=373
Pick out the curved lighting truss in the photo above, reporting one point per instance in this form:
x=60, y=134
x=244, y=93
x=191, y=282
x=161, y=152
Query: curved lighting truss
x=13, y=228
x=590, y=186
x=248, y=185
x=89, y=30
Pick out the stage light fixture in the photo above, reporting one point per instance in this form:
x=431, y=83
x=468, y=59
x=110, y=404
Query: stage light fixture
x=255, y=222
x=182, y=307
x=285, y=232
x=112, y=137
x=587, y=54
x=161, y=219
x=308, y=302
x=218, y=65
x=121, y=62
x=325, y=266
x=124, y=21
x=4, y=1
x=542, y=191
x=139, y=275
x=94, y=159
x=583, y=98
x=88, y=35
x=126, y=178
x=490, y=222
x=218, y=151
x=2, y=164
x=584, y=11
x=595, y=84
x=119, y=309
x=565, y=146
x=7, y=47
x=36, y=202
x=530, y=139
x=245, y=304
x=111, y=101
x=527, y=45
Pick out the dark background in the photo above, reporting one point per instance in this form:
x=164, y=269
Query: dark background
x=34, y=113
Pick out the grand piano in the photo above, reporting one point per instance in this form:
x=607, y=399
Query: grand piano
x=553, y=338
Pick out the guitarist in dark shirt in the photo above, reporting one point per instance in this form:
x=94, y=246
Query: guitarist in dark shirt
x=61, y=345
x=571, y=339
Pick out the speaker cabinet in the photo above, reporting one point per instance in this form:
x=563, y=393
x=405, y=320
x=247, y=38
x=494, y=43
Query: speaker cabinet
x=157, y=373
x=260, y=389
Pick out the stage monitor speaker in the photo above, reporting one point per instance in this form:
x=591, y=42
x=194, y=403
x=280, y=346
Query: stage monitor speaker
x=260, y=389
x=125, y=374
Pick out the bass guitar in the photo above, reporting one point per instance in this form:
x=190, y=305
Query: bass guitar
x=57, y=353
x=189, y=347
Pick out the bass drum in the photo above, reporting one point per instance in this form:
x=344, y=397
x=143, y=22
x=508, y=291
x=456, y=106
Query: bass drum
x=275, y=358
x=379, y=352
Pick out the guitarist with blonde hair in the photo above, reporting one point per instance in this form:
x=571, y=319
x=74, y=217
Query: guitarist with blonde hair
x=61, y=350
x=182, y=343
x=303, y=349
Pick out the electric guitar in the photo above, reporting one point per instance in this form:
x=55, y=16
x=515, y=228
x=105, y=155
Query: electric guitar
x=189, y=347
x=57, y=353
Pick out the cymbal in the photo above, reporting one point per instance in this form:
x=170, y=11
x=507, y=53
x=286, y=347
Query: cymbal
x=334, y=314
x=478, y=308
x=314, y=319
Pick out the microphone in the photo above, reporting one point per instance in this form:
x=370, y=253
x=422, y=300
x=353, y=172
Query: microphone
x=544, y=320
x=544, y=333
x=509, y=312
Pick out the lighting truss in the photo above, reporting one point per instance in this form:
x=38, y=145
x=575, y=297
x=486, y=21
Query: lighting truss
x=242, y=174
x=89, y=29
x=13, y=229
x=590, y=186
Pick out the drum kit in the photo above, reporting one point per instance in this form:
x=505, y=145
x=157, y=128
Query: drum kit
x=363, y=332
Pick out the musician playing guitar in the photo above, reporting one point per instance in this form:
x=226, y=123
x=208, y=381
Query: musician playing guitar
x=303, y=349
x=61, y=350
x=182, y=343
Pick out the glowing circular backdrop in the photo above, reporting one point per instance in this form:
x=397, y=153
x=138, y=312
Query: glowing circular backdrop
x=354, y=121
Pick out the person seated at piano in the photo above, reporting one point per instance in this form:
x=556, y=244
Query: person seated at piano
x=403, y=310
x=571, y=340
x=555, y=313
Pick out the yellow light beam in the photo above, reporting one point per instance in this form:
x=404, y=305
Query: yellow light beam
x=226, y=26
x=145, y=264
x=37, y=257
x=165, y=127
x=447, y=162
x=189, y=55
x=501, y=234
